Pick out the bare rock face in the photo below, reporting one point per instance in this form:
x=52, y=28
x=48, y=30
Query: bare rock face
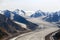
x=57, y=36
x=9, y=28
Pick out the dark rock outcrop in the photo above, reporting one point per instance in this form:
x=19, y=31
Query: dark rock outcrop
x=9, y=28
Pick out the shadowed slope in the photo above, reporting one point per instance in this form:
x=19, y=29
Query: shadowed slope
x=9, y=28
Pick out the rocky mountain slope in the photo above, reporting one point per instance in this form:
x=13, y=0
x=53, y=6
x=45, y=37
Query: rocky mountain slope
x=9, y=28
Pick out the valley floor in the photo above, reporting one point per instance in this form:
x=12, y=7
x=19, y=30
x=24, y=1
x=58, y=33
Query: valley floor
x=37, y=35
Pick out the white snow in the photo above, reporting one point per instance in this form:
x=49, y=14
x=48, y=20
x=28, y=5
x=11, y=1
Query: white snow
x=38, y=34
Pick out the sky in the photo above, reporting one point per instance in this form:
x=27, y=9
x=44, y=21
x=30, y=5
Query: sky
x=31, y=5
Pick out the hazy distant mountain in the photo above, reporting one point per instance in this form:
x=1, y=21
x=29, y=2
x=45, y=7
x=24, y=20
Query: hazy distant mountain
x=38, y=14
x=15, y=15
x=50, y=17
x=53, y=17
x=20, y=12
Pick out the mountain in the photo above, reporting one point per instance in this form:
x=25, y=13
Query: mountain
x=49, y=17
x=20, y=11
x=23, y=12
x=2, y=34
x=53, y=17
x=38, y=14
x=15, y=17
x=8, y=28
